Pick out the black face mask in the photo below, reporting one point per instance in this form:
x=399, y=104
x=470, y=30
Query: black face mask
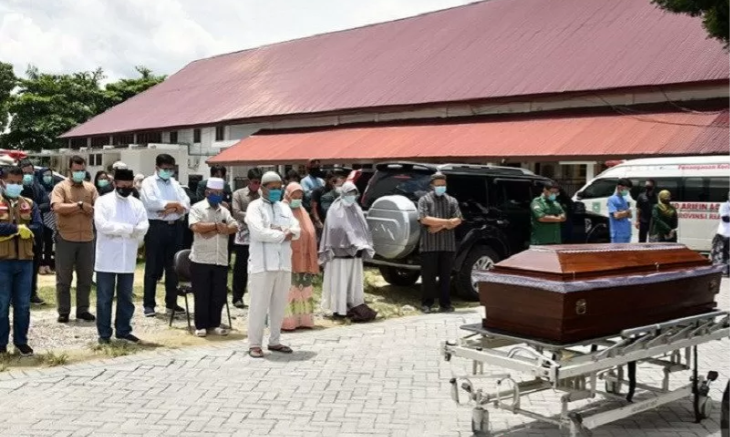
x=649, y=189
x=125, y=191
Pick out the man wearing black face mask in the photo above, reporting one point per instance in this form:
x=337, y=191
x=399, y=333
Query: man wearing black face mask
x=644, y=205
x=121, y=224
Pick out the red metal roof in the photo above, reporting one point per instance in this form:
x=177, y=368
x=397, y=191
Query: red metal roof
x=491, y=49
x=549, y=138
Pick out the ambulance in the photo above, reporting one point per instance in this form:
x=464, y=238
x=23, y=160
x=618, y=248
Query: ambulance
x=699, y=185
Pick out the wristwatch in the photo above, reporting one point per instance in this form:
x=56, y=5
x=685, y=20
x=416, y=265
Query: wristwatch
x=81, y=205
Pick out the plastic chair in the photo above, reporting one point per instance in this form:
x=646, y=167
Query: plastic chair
x=182, y=268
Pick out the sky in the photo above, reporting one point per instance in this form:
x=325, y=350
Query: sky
x=60, y=36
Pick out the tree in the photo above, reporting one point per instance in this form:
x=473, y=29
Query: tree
x=118, y=92
x=47, y=105
x=715, y=14
x=8, y=82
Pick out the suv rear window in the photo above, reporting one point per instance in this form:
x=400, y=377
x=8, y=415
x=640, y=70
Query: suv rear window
x=410, y=184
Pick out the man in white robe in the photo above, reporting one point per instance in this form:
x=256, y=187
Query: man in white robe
x=272, y=227
x=121, y=224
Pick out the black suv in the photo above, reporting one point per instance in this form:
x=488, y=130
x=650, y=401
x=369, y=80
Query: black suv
x=495, y=203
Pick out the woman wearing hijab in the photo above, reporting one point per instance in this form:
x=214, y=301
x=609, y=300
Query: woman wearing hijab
x=103, y=183
x=721, y=243
x=664, y=220
x=48, y=265
x=346, y=241
x=305, y=266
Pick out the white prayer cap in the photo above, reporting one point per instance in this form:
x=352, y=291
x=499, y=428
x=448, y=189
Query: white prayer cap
x=139, y=177
x=216, y=184
x=269, y=177
x=119, y=165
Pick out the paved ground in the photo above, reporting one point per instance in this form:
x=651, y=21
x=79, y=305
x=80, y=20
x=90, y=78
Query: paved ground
x=384, y=379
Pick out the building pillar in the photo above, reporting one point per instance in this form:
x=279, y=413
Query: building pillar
x=590, y=172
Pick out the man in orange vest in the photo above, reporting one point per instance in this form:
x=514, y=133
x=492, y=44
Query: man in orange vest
x=19, y=220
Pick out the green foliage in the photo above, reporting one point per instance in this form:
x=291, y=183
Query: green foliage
x=8, y=82
x=48, y=105
x=715, y=14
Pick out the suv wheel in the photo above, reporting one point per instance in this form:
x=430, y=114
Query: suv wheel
x=400, y=277
x=479, y=258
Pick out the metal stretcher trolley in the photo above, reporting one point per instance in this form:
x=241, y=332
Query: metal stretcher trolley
x=593, y=369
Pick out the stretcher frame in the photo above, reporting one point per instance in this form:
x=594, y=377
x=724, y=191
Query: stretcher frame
x=577, y=370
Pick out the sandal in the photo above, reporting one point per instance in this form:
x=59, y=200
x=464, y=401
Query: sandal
x=281, y=349
x=255, y=352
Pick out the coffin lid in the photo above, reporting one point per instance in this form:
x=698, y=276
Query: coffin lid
x=584, y=261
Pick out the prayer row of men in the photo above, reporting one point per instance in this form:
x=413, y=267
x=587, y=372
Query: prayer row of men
x=273, y=233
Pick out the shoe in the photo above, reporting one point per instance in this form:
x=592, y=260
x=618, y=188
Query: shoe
x=104, y=341
x=34, y=299
x=178, y=310
x=425, y=309
x=129, y=338
x=219, y=331
x=86, y=317
x=24, y=350
x=447, y=309
x=201, y=332
x=149, y=312
x=239, y=304
x=63, y=318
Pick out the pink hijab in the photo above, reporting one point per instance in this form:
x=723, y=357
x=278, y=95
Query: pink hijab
x=304, y=250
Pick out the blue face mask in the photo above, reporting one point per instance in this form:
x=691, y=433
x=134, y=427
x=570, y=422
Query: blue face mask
x=165, y=174
x=440, y=190
x=103, y=183
x=48, y=180
x=27, y=179
x=349, y=199
x=296, y=203
x=78, y=176
x=13, y=190
x=215, y=199
x=552, y=197
x=274, y=196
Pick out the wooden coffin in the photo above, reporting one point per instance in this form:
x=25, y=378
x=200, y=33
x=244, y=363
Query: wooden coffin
x=572, y=293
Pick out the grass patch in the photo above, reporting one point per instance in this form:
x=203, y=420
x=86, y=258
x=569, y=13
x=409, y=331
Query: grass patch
x=52, y=359
x=119, y=348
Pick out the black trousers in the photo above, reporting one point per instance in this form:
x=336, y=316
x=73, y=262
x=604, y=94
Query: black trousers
x=240, y=272
x=643, y=232
x=210, y=286
x=436, y=265
x=162, y=242
x=48, y=248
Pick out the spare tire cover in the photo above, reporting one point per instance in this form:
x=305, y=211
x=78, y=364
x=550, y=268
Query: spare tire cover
x=393, y=222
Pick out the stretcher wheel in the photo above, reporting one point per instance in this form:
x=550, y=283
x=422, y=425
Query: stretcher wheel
x=480, y=423
x=706, y=405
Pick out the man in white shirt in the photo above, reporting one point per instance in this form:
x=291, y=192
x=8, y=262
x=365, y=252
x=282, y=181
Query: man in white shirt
x=212, y=224
x=121, y=225
x=166, y=204
x=272, y=226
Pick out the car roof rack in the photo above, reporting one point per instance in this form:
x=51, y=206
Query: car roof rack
x=452, y=168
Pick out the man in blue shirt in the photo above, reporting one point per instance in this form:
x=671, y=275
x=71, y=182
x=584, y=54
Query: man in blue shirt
x=619, y=213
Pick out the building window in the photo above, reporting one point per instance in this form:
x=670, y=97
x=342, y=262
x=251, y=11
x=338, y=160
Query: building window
x=196, y=135
x=149, y=137
x=98, y=142
x=77, y=143
x=123, y=140
x=220, y=133
x=173, y=137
